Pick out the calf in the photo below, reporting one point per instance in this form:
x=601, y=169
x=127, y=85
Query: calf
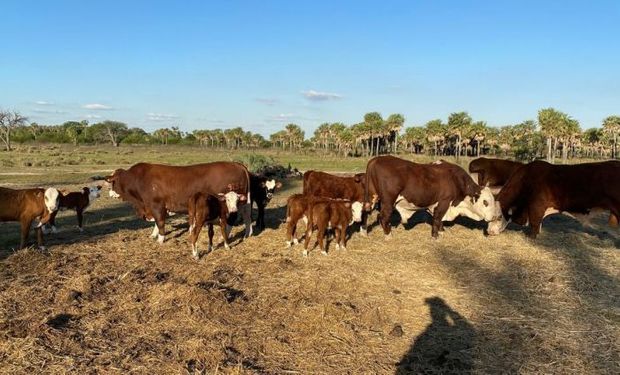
x=296, y=207
x=321, y=184
x=261, y=191
x=77, y=201
x=331, y=212
x=27, y=205
x=209, y=209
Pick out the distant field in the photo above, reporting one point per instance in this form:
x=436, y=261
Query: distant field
x=111, y=300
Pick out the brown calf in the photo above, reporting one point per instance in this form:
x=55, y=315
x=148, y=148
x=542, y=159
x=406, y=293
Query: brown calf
x=27, y=205
x=296, y=207
x=337, y=213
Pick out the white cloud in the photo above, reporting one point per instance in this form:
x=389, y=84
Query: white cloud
x=161, y=116
x=267, y=101
x=282, y=117
x=93, y=116
x=49, y=111
x=320, y=96
x=96, y=106
x=43, y=102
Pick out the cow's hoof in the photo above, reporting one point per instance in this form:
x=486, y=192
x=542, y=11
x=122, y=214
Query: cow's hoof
x=324, y=252
x=226, y=246
x=210, y=248
x=295, y=241
x=342, y=248
x=42, y=248
x=388, y=237
x=305, y=253
x=80, y=229
x=288, y=244
x=337, y=247
x=364, y=232
x=160, y=239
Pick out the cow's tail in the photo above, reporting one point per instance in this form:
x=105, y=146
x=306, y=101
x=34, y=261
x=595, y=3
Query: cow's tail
x=368, y=206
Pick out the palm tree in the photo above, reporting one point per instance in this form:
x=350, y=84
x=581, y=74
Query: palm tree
x=374, y=122
x=414, y=138
x=435, y=133
x=611, y=127
x=394, y=124
x=551, y=122
x=458, y=123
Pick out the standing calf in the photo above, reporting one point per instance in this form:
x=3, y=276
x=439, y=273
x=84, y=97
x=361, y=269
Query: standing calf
x=77, y=201
x=27, y=205
x=335, y=213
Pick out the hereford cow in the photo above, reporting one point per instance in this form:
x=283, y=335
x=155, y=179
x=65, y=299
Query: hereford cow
x=296, y=207
x=493, y=172
x=321, y=184
x=262, y=189
x=77, y=201
x=336, y=213
x=209, y=209
x=27, y=205
x=157, y=190
x=443, y=189
x=539, y=189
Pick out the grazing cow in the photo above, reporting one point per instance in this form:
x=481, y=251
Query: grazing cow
x=493, y=172
x=157, y=190
x=336, y=213
x=27, y=205
x=77, y=201
x=539, y=189
x=443, y=189
x=262, y=189
x=209, y=209
x=321, y=184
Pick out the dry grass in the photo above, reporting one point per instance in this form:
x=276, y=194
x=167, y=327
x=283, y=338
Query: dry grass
x=113, y=301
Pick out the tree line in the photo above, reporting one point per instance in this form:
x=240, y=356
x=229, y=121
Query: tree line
x=552, y=135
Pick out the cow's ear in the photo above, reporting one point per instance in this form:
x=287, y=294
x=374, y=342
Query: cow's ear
x=221, y=197
x=38, y=194
x=278, y=185
x=486, y=185
x=243, y=197
x=99, y=187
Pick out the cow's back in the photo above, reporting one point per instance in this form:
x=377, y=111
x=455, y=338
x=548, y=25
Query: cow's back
x=15, y=203
x=321, y=184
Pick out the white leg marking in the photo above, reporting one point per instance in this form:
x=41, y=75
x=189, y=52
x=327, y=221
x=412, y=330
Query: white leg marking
x=305, y=253
x=363, y=231
x=295, y=241
x=160, y=239
x=80, y=229
x=226, y=246
x=195, y=251
x=288, y=244
x=155, y=232
x=337, y=246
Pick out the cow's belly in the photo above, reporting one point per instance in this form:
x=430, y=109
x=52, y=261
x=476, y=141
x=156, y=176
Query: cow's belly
x=584, y=219
x=406, y=209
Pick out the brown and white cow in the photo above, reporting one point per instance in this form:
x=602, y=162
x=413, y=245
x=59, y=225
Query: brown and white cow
x=209, y=209
x=493, y=172
x=27, y=205
x=157, y=190
x=334, y=213
x=78, y=201
x=296, y=207
x=539, y=189
x=443, y=189
x=321, y=184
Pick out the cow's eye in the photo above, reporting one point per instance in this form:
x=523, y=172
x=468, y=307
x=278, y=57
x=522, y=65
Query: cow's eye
x=486, y=204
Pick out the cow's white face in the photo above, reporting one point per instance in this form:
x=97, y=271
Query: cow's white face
x=356, y=209
x=51, y=197
x=231, y=198
x=94, y=192
x=500, y=223
x=485, y=205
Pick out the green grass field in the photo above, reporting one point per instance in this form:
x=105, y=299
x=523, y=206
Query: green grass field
x=111, y=300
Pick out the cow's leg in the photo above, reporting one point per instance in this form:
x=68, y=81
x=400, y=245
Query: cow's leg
x=52, y=222
x=197, y=221
x=246, y=214
x=211, y=232
x=291, y=227
x=160, y=221
x=438, y=214
x=387, y=207
x=155, y=231
x=80, y=218
x=308, y=235
x=224, y=228
x=535, y=216
x=25, y=230
x=364, y=223
x=260, y=219
x=321, y=237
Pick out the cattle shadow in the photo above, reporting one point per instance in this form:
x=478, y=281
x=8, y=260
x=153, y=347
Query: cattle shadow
x=445, y=346
x=424, y=217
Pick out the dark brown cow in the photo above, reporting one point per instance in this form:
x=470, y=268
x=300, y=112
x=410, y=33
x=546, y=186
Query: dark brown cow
x=325, y=212
x=493, y=172
x=321, y=184
x=25, y=206
x=77, y=201
x=539, y=189
x=155, y=190
x=208, y=210
x=443, y=189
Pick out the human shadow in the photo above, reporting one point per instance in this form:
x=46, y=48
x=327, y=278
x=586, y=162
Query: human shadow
x=444, y=347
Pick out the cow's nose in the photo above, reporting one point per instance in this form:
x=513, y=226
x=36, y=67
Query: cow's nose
x=269, y=195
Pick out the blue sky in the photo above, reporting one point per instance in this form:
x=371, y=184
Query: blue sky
x=262, y=64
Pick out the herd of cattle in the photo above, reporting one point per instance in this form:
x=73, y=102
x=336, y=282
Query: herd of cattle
x=215, y=193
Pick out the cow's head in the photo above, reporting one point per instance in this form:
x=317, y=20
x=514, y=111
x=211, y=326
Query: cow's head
x=270, y=187
x=113, y=182
x=484, y=204
x=231, y=198
x=500, y=223
x=51, y=198
x=356, y=209
x=93, y=192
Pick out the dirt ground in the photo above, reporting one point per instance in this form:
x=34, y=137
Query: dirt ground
x=111, y=300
